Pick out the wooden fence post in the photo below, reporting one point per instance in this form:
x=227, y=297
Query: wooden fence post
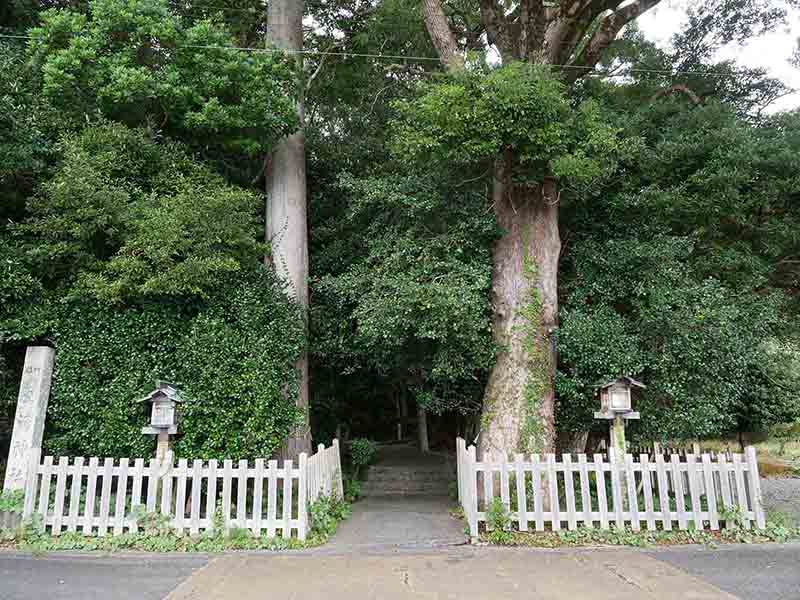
x=472, y=474
x=339, y=477
x=302, y=497
x=755, y=486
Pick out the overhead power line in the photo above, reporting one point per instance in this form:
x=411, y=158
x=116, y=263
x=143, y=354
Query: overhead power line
x=396, y=57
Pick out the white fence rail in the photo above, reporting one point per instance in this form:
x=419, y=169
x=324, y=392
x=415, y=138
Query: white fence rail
x=99, y=497
x=704, y=490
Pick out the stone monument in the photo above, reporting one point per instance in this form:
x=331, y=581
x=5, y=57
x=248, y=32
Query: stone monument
x=34, y=392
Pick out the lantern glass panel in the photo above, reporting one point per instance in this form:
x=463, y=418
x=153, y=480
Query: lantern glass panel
x=163, y=414
x=604, y=400
x=620, y=398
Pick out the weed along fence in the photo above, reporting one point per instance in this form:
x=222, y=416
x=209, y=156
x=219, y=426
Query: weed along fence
x=541, y=492
x=111, y=497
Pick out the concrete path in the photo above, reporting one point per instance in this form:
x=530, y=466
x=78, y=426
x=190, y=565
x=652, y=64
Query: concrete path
x=766, y=572
x=385, y=522
x=462, y=574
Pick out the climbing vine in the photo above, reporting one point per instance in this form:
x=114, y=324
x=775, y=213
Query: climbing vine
x=534, y=343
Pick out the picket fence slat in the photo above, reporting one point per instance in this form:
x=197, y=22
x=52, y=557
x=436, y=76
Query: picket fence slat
x=241, y=495
x=272, y=496
x=616, y=490
x=677, y=483
x=194, y=515
x=75, y=494
x=105, y=497
x=522, y=500
x=694, y=490
x=647, y=488
x=302, y=492
x=122, y=488
x=711, y=493
x=227, y=479
x=180, y=496
x=741, y=494
x=166, y=476
x=663, y=492
x=633, y=500
x=725, y=481
x=586, y=497
x=136, y=492
x=211, y=491
x=696, y=483
x=600, y=486
x=77, y=505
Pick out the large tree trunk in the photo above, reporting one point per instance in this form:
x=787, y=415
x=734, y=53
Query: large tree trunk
x=422, y=430
x=518, y=411
x=286, y=218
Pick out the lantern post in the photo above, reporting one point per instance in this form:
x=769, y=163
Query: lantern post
x=162, y=406
x=617, y=408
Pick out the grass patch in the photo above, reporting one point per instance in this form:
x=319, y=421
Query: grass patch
x=776, y=530
x=157, y=536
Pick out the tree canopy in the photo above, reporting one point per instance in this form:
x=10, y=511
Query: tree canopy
x=134, y=140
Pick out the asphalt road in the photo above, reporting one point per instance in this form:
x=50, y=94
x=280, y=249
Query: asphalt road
x=92, y=577
x=758, y=572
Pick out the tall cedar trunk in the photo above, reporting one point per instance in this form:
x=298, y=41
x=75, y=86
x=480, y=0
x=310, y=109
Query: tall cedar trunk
x=422, y=430
x=518, y=411
x=286, y=213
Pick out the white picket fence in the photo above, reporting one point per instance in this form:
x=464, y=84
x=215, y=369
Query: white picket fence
x=98, y=497
x=630, y=491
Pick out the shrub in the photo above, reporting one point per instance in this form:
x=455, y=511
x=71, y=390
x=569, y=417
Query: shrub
x=12, y=501
x=232, y=356
x=362, y=453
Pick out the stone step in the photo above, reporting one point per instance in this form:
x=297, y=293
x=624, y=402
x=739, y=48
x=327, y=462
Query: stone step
x=390, y=475
x=368, y=489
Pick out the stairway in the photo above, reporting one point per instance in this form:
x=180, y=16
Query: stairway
x=401, y=470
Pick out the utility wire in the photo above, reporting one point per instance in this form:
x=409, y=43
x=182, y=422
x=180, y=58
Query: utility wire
x=396, y=57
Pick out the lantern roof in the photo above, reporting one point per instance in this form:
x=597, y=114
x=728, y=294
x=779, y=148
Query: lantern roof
x=163, y=389
x=625, y=380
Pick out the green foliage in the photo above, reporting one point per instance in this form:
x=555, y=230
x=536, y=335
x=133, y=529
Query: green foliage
x=325, y=513
x=157, y=535
x=403, y=288
x=785, y=433
x=232, y=355
x=210, y=542
x=498, y=523
x=26, y=126
x=352, y=489
x=362, y=453
x=137, y=62
x=125, y=217
x=775, y=531
x=498, y=516
x=679, y=278
x=12, y=501
x=472, y=117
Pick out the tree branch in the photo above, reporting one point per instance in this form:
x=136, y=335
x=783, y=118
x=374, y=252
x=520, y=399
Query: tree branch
x=442, y=37
x=606, y=27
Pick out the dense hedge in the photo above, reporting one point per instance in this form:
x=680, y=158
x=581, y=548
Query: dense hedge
x=232, y=355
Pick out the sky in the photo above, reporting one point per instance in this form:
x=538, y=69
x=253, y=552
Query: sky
x=771, y=51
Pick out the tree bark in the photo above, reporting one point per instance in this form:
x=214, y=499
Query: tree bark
x=518, y=411
x=422, y=430
x=286, y=211
x=442, y=37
